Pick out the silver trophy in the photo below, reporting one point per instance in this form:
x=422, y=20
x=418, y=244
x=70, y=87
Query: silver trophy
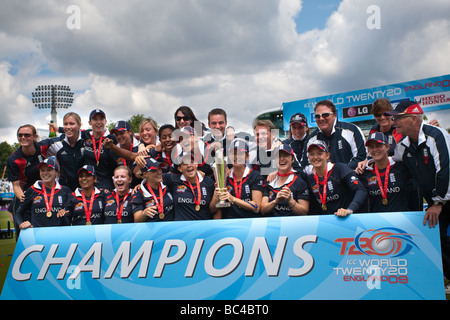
x=220, y=171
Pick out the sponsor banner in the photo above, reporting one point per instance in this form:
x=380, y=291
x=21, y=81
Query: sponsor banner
x=432, y=94
x=364, y=256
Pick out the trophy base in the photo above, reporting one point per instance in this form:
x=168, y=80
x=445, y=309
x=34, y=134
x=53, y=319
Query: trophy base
x=223, y=204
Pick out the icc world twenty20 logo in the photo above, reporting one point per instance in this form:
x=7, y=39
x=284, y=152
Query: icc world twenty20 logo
x=378, y=242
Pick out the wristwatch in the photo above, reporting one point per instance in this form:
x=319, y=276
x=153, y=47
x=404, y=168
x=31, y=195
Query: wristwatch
x=439, y=203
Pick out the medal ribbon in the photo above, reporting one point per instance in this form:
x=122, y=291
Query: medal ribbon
x=238, y=187
x=48, y=204
x=97, y=153
x=323, y=196
x=383, y=190
x=197, y=201
x=120, y=207
x=160, y=203
x=284, y=174
x=91, y=205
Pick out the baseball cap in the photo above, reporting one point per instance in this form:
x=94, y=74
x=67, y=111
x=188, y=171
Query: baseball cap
x=151, y=165
x=239, y=144
x=406, y=107
x=318, y=143
x=121, y=126
x=90, y=169
x=298, y=118
x=49, y=162
x=284, y=147
x=378, y=137
x=94, y=112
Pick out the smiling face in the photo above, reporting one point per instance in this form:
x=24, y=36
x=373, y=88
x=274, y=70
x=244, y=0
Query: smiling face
x=153, y=177
x=284, y=161
x=188, y=169
x=217, y=124
x=98, y=123
x=122, y=180
x=71, y=127
x=26, y=137
x=325, y=118
x=317, y=157
x=298, y=131
x=148, y=133
x=166, y=140
x=123, y=138
x=47, y=174
x=377, y=151
x=86, y=180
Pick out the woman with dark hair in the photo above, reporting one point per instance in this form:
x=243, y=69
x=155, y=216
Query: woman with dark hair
x=184, y=116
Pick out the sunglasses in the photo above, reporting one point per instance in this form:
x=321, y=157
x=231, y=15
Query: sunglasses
x=323, y=115
x=377, y=115
x=396, y=118
x=178, y=118
x=26, y=135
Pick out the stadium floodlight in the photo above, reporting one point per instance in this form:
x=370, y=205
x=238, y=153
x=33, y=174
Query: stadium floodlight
x=52, y=97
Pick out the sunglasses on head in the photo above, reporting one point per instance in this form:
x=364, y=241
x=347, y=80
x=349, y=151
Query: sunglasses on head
x=323, y=115
x=185, y=118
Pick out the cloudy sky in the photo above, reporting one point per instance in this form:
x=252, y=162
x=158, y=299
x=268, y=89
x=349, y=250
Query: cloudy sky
x=245, y=56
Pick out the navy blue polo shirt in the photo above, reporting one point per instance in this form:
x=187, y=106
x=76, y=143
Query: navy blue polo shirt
x=34, y=209
x=251, y=180
x=397, y=192
x=77, y=211
x=299, y=191
x=144, y=199
x=344, y=190
x=112, y=207
x=184, y=199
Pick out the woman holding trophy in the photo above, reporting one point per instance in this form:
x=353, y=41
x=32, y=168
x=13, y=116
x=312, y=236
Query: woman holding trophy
x=242, y=189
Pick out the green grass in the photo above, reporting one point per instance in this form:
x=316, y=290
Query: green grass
x=6, y=248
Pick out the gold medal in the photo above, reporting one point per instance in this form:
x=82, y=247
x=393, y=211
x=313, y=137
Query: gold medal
x=197, y=207
x=88, y=223
x=119, y=221
x=384, y=201
x=161, y=216
x=49, y=214
x=324, y=207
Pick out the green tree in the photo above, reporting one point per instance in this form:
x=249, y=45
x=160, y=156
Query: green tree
x=5, y=151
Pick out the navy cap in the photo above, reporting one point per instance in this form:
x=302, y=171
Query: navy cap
x=406, y=107
x=90, y=169
x=49, y=162
x=152, y=165
x=378, y=137
x=121, y=126
x=96, y=111
x=239, y=144
x=284, y=147
x=298, y=118
x=318, y=143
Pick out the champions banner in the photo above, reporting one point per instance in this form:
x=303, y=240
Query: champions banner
x=364, y=256
x=432, y=94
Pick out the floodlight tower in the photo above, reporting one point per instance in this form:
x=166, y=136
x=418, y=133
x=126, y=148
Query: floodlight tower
x=52, y=97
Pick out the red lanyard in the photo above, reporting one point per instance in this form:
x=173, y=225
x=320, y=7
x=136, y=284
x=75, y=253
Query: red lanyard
x=167, y=159
x=48, y=204
x=89, y=209
x=284, y=174
x=238, y=187
x=323, y=197
x=383, y=190
x=99, y=151
x=160, y=203
x=196, y=200
x=120, y=207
